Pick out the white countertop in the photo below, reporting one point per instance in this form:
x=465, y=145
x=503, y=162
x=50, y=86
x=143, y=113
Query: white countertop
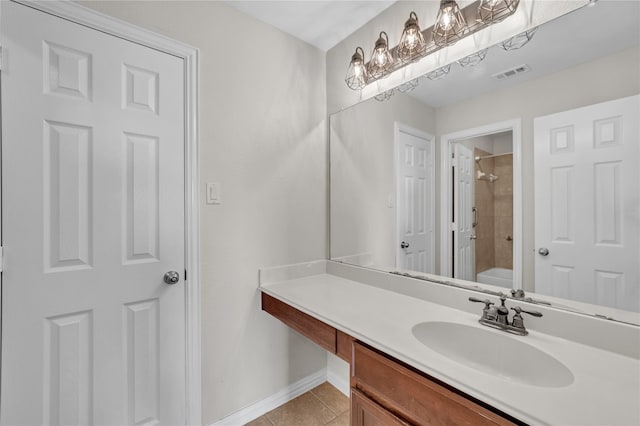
x=606, y=386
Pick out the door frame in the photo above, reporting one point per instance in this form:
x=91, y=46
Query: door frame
x=190, y=55
x=399, y=127
x=446, y=209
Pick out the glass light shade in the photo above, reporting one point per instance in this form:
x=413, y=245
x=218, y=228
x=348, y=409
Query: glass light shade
x=491, y=11
x=518, y=41
x=357, y=75
x=450, y=25
x=473, y=59
x=412, y=43
x=381, y=59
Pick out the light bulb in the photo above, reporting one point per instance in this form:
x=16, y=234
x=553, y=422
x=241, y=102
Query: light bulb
x=446, y=21
x=450, y=25
x=357, y=75
x=412, y=43
x=381, y=59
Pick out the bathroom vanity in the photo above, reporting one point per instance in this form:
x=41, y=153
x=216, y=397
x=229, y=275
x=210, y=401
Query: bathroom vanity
x=385, y=390
x=418, y=355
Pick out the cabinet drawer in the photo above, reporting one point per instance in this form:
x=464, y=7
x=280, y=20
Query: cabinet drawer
x=344, y=342
x=317, y=331
x=413, y=396
x=365, y=412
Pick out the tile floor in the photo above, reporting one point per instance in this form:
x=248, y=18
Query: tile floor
x=322, y=405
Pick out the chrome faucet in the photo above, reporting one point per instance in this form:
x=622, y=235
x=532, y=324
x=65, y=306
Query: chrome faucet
x=498, y=317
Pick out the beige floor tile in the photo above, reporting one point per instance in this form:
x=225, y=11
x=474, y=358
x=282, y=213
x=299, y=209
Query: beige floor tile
x=305, y=410
x=342, y=420
x=331, y=397
x=260, y=421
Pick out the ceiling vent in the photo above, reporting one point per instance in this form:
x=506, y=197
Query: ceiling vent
x=512, y=72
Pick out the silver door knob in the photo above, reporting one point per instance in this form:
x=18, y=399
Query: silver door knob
x=404, y=245
x=543, y=251
x=171, y=277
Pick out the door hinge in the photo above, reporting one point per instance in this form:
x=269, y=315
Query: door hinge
x=1, y=258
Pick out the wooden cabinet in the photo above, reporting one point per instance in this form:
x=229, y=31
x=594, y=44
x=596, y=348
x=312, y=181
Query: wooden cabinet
x=414, y=397
x=365, y=412
x=385, y=391
x=315, y=330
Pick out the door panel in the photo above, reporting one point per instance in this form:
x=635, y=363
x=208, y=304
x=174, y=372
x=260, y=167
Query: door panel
x=464, y=258
x=93, y=216
x=415, y=194
x=587, y=196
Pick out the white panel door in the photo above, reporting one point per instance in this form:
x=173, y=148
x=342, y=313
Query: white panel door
x=587, y=197
x=415, y=209
x=464, y=243
x=93, y=217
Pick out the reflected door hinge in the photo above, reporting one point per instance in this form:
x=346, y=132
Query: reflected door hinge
x=1, y=258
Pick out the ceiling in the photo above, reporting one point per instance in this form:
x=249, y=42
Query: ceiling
x=320, y=23
x=579, y=37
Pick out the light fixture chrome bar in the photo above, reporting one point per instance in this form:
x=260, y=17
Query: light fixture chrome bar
x=470, y=14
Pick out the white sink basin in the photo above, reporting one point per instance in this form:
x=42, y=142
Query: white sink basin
x=494, y=352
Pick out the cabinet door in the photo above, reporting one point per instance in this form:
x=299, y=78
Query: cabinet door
x=365, y=412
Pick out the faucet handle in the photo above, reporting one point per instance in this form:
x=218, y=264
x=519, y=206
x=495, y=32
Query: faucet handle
x=487, y=302
x=519, y=310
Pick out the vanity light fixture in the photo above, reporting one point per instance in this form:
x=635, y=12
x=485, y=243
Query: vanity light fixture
x=518, y=41
x=357, y=75
x=409, y=85
x=381, y=59
x=412, y=43
x=384, y=96
x=474, y=59
x=492, y=11
x=450, y=25
x=439, y=73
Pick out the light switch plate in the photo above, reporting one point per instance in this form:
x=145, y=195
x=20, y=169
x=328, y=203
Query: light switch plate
x=214, y=193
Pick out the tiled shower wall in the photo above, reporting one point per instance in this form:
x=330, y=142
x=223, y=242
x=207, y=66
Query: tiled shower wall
x=494, y=201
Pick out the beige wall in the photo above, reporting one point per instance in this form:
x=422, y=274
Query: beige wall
x=605, y=79
x=263, y=136
x=363, y=178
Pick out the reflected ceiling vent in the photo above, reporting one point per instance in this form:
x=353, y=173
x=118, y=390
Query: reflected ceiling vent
x=512, y=72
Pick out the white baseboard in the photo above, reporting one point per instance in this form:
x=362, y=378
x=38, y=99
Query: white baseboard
x=338, y=382
x=285, y=395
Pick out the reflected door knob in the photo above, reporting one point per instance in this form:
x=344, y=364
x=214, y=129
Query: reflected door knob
x=171, y=277
x=404, y=245
x=543, y=251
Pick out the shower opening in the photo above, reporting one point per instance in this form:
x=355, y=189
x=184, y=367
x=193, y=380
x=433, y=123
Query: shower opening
x=483, y=210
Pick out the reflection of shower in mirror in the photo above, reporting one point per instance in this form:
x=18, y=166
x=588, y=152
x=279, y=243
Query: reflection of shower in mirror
x=488, y=177
x=480, y=174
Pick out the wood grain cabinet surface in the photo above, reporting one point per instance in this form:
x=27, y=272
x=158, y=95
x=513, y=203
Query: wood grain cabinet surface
x=412, y=396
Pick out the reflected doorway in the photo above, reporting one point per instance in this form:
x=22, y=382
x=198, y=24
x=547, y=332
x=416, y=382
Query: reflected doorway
x=482, y=226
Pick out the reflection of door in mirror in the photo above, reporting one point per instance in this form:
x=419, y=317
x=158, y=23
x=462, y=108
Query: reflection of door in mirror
x=463, y=190
x=482, y=216
x=587, y=235
x=415, y=187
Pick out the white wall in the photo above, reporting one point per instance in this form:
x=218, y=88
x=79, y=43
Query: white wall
x=263, y=136
x=615, y=76
x=363, y=177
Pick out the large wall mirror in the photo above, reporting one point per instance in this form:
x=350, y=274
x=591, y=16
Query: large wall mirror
x=514, y=170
